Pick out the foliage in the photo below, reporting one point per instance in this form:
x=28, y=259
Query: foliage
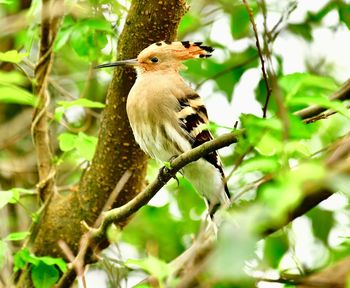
x=276, y=160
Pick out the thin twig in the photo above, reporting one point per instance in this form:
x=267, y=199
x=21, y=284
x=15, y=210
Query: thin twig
x=260, y=52
x=40, y=129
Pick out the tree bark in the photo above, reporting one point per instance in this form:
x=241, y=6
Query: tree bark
x=147, y=22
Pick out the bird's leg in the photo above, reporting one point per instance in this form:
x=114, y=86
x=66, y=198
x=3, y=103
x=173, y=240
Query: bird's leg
x=167, y=166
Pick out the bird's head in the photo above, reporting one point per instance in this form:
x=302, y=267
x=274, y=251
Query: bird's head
x=164, y=55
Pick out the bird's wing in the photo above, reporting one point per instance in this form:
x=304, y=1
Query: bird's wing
x=193, y=118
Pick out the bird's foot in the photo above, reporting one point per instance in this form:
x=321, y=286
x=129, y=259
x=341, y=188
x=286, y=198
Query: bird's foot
x=167, y=167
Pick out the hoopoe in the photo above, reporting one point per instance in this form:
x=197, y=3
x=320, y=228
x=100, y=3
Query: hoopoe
x=168, y=117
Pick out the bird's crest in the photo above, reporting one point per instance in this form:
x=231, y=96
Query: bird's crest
x=179, y=50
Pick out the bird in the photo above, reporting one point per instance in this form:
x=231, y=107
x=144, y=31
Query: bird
x=168, y=117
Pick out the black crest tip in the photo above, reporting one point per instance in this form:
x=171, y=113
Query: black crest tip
x=186, y=44
x=207, y=48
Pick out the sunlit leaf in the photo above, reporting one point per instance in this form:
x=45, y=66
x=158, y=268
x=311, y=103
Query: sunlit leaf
x=263, y=164
x=86, y=145
x=67, y=141
x=152, y=265
x=12, y=77
x=17, y=236
x=16, y=95
x=11, y=196
x=296, y=82
x=97, y=24
x=22, y=257
x=54, y=261
x=5, y=198
x=83, y=102
x=12, y=56
x=269, y=145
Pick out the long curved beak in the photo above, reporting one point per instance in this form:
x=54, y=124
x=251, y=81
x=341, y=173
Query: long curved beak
x=131, y=62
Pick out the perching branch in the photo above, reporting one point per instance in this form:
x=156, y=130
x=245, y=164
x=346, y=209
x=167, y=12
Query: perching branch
x=164, y=175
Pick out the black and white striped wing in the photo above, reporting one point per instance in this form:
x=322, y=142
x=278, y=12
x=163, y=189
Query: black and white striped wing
x=193, y=118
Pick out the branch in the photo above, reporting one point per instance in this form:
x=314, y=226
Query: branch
x=341, y=94
x=268, y=88
x=165, y=174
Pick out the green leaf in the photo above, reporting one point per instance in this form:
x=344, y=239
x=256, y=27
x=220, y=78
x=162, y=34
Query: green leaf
x=269, y=145
x=3, y=252
x=17, y=236
x=11, y=196
x=16, y=95
x=22, y=257
x=344, y=13
x=86, y=145
x=275, y=246
x=59, y=112
x=79, y=40
x=300, y=130
x=83, y=102
x=12, y=77
x=304, y=30
x=152, y=265
x=67, y=141
x=97, y=24
x=239, y=22
x=296, y=149
x=322, y=223
x=44, y=276
x=54, y=261
x=5, y=198
x=12, y=56
x=299, y=82
x=259, y=163
x=189, y=22
x=62, y=38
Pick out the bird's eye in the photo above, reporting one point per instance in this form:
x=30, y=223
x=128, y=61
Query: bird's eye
x=154, y=60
